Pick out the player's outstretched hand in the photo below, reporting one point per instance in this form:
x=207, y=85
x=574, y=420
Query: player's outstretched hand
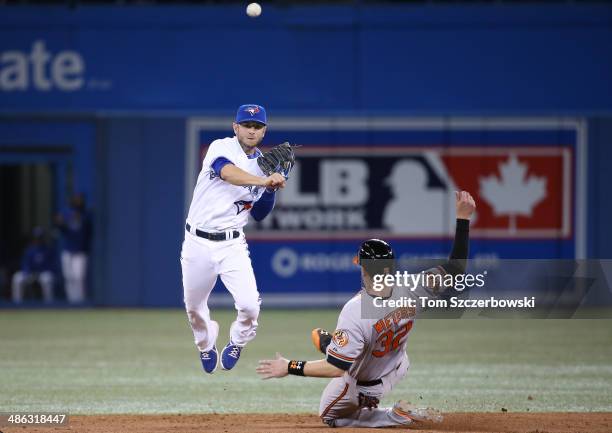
x=269, y=368
x=275, y=181
x=465, y=205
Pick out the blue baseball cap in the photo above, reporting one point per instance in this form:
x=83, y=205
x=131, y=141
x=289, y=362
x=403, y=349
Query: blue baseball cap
x=251, y=113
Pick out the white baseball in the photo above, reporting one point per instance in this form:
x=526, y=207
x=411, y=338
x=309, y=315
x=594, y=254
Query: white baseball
x=253, y=10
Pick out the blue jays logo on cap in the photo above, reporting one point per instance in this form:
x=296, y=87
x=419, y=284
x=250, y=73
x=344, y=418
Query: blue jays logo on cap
x=251, y=113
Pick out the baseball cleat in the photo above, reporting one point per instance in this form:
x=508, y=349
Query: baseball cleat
x=409, y=411
x=230, y=356
x=210, y=360
x=321, y=339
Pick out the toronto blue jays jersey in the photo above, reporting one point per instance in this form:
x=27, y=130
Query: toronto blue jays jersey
x=218, y=205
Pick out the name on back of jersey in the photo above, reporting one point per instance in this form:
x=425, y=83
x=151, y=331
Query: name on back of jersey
x=394, y=318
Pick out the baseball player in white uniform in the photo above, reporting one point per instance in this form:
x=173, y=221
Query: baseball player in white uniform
x=230, y=186
x=367, y=357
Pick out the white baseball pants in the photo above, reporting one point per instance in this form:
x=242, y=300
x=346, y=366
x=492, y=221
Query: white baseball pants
x=202, y=260
x=20, y=279
x=74, y=269
x=339, y=405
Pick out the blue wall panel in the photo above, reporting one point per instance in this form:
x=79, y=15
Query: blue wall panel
x=408, y=59
x=144, y=204
x=487, y=68
x=600, y=182
x=163, y=156
x=122, y=226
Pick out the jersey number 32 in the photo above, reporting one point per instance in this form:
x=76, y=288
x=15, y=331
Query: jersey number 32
x=391, y=340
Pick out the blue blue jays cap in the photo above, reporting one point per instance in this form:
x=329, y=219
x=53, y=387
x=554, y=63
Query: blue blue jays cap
x=251, y=113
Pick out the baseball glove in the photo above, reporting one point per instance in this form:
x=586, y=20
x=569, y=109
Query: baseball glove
x=279, y=159
x=321, y=339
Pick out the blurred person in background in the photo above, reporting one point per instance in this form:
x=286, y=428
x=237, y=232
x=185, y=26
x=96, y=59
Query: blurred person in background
x=3, y=277
x=37, y=265
x=76, y=229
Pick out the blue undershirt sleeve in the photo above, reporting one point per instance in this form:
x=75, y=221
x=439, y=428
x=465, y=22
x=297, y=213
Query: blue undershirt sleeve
x=219, y=163
x=264, y=205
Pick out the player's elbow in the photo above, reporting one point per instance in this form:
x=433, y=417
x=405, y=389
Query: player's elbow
x=226, y=172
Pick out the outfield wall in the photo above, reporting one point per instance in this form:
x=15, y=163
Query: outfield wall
x=137, y=82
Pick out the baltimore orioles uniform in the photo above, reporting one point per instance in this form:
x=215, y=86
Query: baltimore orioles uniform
x=373, y=354
x=372, y=351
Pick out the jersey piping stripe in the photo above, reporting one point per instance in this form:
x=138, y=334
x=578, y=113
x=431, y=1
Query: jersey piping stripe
x=342, y=394
x=342, y=365
x=343, y=357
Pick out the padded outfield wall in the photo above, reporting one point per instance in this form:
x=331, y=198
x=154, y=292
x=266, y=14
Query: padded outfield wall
x=379, y=97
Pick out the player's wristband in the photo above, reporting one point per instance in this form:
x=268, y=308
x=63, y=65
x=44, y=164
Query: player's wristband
x=296, y=368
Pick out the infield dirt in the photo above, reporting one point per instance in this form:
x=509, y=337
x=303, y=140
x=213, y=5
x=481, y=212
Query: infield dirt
x=592, y=422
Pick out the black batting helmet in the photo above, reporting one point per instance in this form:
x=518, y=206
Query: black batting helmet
x=375, y=249
x=375, y=255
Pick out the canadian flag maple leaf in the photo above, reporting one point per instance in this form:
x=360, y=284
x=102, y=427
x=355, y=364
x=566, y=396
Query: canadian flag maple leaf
x=514, y=193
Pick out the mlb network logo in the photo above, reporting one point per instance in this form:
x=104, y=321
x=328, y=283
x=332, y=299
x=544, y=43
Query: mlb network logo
x=409, y=192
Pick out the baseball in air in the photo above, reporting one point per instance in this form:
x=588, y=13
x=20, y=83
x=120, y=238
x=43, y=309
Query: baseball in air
x=253, y=10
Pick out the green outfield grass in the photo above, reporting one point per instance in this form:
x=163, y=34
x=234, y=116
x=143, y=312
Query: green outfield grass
x=144, y=361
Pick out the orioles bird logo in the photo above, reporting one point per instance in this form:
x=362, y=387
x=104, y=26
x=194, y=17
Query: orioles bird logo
x=252, y=110
x=340, y=337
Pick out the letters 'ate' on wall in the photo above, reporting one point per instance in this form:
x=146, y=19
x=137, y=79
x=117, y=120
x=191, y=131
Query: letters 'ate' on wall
x=400, y=58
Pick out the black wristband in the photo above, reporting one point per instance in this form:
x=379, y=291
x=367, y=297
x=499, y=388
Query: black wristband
x=458, y=258
x=296, y=367
x=462, y=238
x=463, y=224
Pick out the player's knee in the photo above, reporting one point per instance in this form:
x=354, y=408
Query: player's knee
x=196, y=320
x=46, y=278
x=250, y=312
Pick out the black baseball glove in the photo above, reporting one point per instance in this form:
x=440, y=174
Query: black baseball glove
x=279, y=159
